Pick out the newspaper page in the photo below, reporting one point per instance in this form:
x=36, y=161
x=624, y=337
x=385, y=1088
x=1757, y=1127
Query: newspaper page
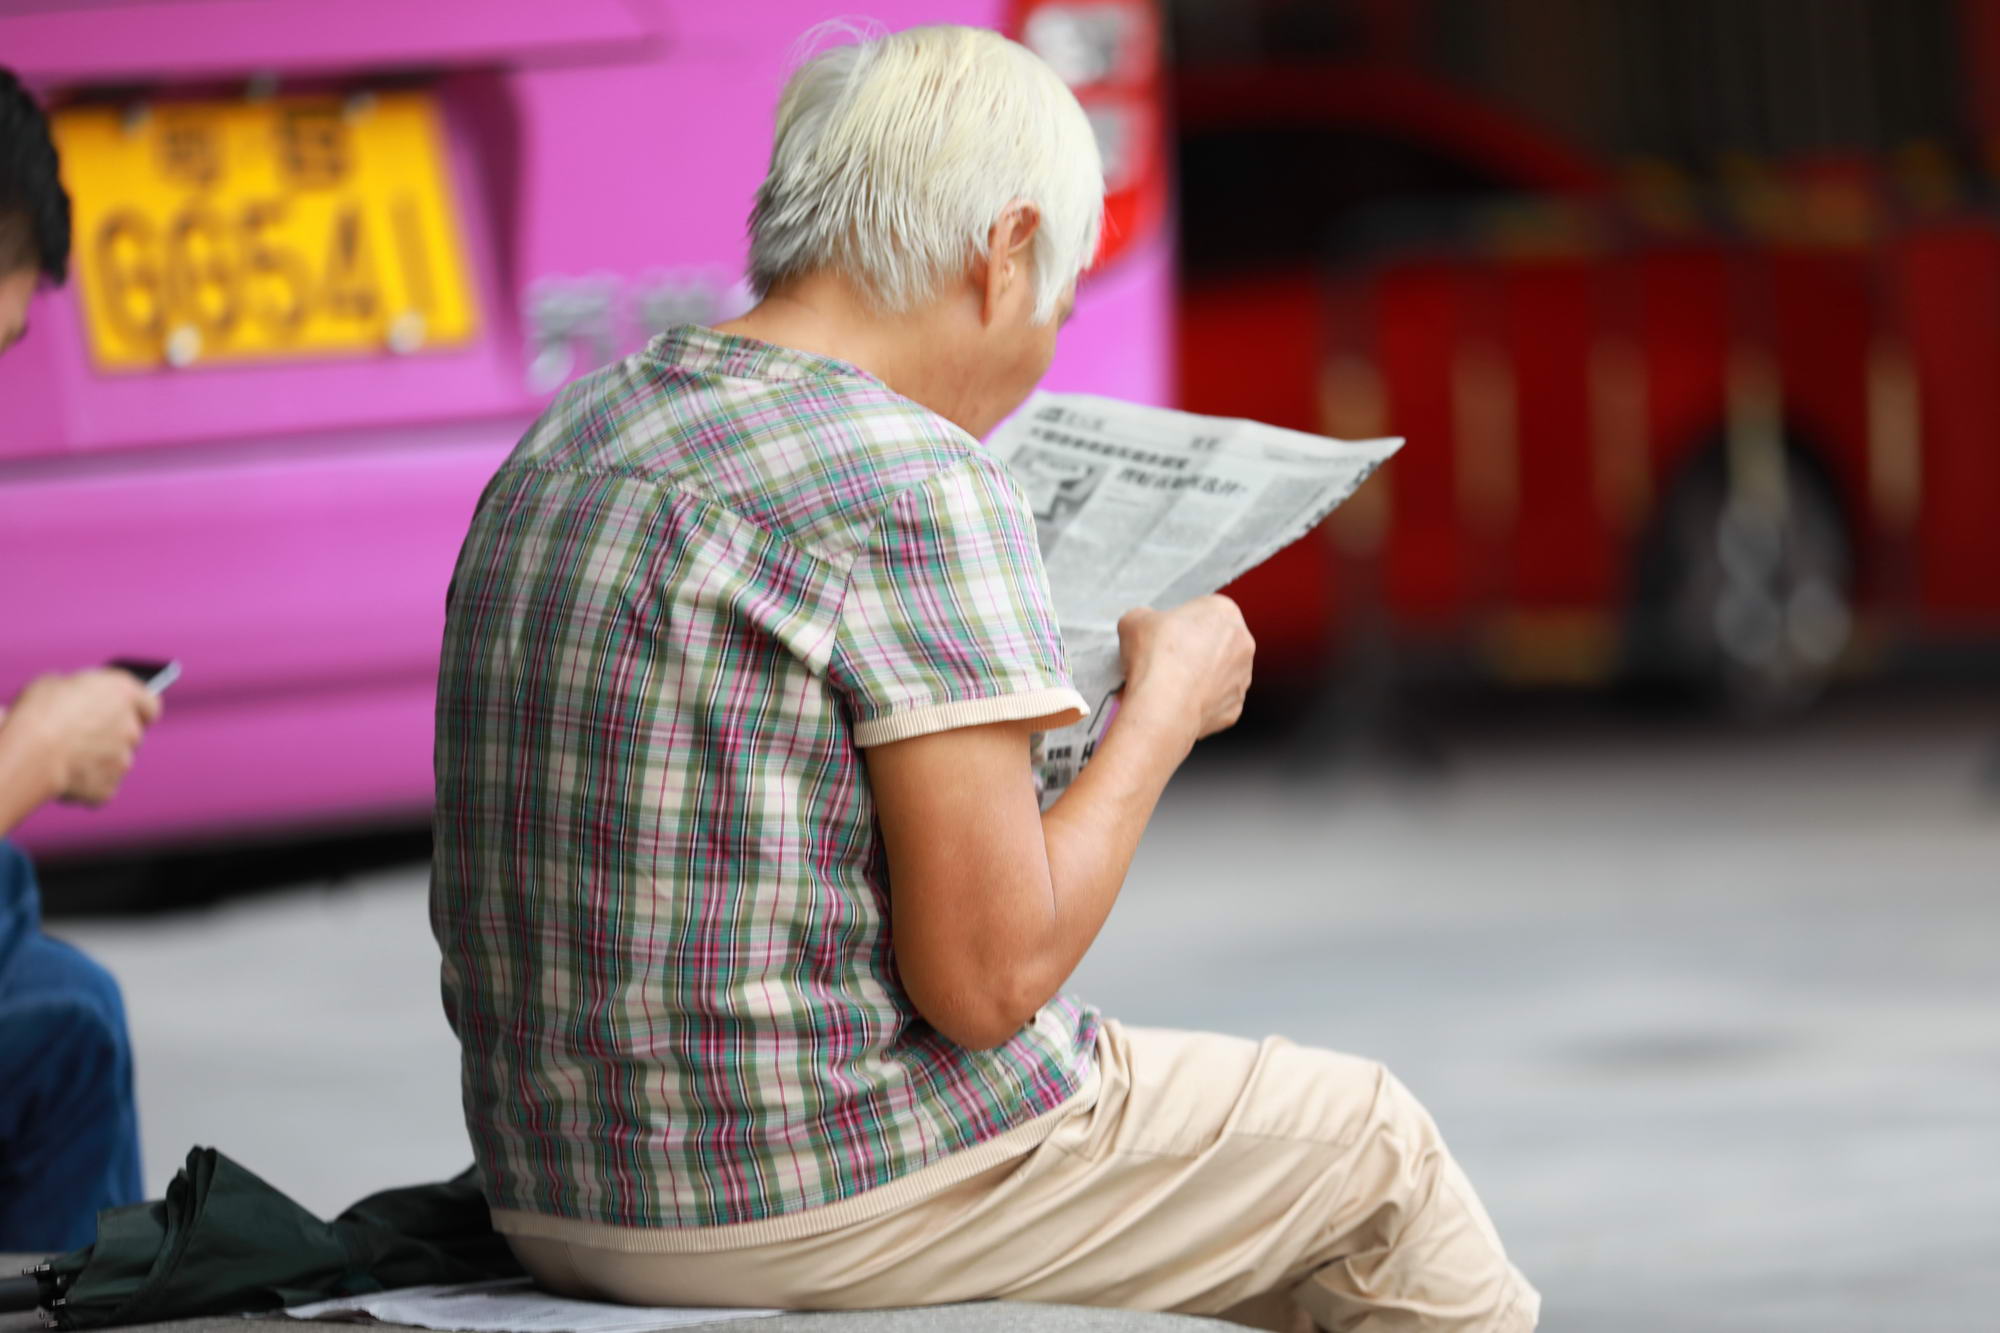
x=510, y=1305
x=1145, y=506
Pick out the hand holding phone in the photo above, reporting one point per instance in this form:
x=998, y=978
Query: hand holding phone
x=83, y=728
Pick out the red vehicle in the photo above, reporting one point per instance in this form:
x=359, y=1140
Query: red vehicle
x=1696, y=354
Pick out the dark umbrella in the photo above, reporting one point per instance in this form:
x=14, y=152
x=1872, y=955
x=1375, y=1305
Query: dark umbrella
x=224, y=1242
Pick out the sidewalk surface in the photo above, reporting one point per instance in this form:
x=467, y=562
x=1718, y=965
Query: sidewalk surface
x=990, y=1317
x=1709, y=1016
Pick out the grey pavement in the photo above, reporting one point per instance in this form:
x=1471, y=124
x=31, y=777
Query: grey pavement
x=1711, y=1018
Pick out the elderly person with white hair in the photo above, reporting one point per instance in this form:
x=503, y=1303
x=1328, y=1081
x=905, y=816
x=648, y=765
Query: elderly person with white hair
x=753, y=930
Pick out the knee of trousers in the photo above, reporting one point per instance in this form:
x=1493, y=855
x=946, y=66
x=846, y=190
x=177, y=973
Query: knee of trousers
x=75, y=976
x=1396, y=1112
x=1425, y=1239
x=65, y=1072
x=76, y=1035
x=1408, y=1154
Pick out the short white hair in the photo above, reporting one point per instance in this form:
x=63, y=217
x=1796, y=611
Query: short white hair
x=894, y=156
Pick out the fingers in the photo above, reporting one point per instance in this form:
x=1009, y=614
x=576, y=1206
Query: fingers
x=101, y=781
x=97, y=778
x=1227, y=715
x=117, y=692
x=1136, y=621
x=142, y=709
x=1220, y=606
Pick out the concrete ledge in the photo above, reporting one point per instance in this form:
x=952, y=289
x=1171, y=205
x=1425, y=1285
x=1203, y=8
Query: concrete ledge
x=983, y=1317
x=986, y=1317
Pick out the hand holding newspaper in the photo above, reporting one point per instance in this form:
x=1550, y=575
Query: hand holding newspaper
x=1144, y=506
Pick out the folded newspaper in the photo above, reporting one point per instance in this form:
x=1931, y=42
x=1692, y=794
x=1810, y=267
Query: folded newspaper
x=509, y=1305
x=1143, y=506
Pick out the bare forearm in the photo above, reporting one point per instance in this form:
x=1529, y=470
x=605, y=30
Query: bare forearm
x=1093, y=830
x=26, y=776
x=995, y=902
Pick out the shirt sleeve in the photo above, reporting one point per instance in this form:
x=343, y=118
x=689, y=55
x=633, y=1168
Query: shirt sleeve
x=947, y=620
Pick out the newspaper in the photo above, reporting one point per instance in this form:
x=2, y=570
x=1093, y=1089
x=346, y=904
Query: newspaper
x=510, y=1305
x=1143, y=506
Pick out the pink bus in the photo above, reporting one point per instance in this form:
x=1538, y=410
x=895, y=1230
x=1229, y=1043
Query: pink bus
x=330, y=260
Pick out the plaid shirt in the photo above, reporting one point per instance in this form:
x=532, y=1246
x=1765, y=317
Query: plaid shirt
x=705, y=577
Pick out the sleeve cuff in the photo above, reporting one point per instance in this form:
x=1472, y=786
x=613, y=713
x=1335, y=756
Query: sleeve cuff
x=1059, y=707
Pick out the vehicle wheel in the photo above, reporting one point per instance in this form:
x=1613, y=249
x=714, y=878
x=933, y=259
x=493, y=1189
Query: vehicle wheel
x=1746, y=607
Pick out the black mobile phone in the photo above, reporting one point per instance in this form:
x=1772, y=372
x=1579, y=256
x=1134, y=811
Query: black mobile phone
x=155, y=676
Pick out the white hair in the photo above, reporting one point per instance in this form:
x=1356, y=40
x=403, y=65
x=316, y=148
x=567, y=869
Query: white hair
x=894, y=156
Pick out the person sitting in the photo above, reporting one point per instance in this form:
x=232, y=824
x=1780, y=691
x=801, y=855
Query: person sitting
x=753, y=931
x=69, y=1140
x=69, y=1136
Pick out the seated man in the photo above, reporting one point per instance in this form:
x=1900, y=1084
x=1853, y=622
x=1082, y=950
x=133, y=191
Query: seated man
x=753, y=930
x=69, y=1142
x=69, y=1139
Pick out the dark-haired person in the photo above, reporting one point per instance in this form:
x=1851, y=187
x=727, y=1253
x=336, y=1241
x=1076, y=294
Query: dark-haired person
x=34, y=210
x=69, y=1142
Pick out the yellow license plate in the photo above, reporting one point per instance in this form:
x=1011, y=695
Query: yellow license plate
x=286, y=227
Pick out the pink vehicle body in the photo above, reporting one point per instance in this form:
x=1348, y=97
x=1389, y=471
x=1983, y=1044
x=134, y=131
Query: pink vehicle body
x=286, y=529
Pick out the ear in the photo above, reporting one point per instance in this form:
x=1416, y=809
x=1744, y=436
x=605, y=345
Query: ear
x=1009, y=267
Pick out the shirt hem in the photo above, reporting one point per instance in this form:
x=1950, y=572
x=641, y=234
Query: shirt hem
x=906, y=723
x=905, y=1192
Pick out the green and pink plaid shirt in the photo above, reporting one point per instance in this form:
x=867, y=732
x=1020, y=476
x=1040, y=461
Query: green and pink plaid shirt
x=707, y=576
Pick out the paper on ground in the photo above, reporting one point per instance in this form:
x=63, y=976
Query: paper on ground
x=1144, y=506
x=512, y=1305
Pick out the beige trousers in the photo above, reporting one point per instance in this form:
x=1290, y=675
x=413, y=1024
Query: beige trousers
x=1206, y=1175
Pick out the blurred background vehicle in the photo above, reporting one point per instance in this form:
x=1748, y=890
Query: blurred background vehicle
x=330, y=260
x=1690, y=309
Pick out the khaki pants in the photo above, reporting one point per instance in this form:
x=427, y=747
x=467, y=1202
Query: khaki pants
x=1206, y=1175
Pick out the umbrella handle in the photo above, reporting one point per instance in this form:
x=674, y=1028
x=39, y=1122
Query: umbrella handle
x=19, y=1293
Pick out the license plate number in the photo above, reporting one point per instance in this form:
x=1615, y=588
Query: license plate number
x=289, y=227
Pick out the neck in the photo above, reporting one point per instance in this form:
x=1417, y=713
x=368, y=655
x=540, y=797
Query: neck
x=918, y=353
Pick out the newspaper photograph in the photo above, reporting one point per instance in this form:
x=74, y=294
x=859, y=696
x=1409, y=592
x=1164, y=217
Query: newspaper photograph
x=1146, y=506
